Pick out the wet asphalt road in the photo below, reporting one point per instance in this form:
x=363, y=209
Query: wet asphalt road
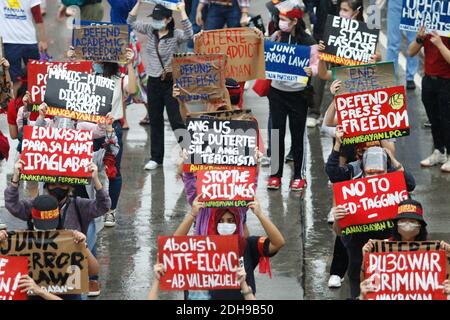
x=153, y=203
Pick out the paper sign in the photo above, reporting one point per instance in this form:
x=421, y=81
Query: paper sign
x=11, y=270
x=348, y=42
x=199, y=262
x=56, y=155
x=169, y=4
x=244, y=49
x=373, y=115
x=5, y=82
x=433, y=14
x=285, y=62
x=370, y=202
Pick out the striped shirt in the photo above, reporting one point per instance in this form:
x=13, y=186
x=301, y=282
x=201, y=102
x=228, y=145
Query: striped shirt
x=242, y=3
x=168, y=45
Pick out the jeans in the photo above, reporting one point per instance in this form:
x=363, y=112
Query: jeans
x=292, y=105
x=395, y=40
x=160, y=95
x=192, y=17
x=115, y=184
x=436, y=100
x=219, y=16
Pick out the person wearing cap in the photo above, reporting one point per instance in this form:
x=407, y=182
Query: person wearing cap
x=232, y=13
x=163, y=40
x=290, y=100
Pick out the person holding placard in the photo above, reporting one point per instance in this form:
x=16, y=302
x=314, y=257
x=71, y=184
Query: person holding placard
x=436, y=93
x=163, y=41
x=291, y=99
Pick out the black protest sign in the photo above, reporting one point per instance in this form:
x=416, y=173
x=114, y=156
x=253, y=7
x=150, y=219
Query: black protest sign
x=78, y=95
x=348, y=42
x=55, y=262
x=220, y=142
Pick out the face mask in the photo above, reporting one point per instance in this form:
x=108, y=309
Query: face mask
x=158, y=24
x=345, y=15
x=408, y=226
x=98, y=68
x=59, y=193
x=225, y=229
x=284, y=26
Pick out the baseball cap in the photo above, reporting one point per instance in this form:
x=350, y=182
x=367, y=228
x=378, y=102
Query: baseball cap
x=410, y=209
x=45, y=212
x=160, y=12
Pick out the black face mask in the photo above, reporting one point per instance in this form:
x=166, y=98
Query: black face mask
x=59, y=193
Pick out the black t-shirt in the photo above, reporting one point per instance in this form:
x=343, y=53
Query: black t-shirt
x=251, y=261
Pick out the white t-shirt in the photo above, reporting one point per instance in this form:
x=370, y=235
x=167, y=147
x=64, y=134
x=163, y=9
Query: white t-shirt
x=16, y=21
x=118, y=96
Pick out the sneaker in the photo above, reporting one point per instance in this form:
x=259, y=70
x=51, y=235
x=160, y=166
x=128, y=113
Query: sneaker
x=410, y=85
x=335, y=281
x=274, y=183
x=445, y=168
x=110, y=218
x=94, y=288
x=311, y=122
x=289, y=157
x=330, y=218
x=435, y=158
x=265, y=161
x=151, y=165
x=298, y=184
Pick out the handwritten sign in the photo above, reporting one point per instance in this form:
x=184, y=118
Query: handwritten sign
x=55, y=262
x=244, y=49
x=365, y=77
x=5, y=82
x=103, y=41
x=199, y=77
x=433, y=14
x=370, y=201
x=220, y=142
x=348, y=42
x=78, y=95
x=56, y=155
x=285, y=62
x=199, y=262
x=373, y=115
x=11, y=270
x=227, y=186
x=169, y=4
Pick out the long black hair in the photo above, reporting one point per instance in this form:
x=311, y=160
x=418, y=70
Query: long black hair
x=422, y=236
x=355, y=5
x=110, y=69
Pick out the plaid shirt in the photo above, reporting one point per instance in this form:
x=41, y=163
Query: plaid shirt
x=242, y=3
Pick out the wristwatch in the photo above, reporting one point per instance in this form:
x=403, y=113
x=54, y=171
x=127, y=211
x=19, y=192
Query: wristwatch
x=419, y=40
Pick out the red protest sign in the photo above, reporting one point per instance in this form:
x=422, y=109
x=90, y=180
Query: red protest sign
x=227, y=186
x=199, y=262
x=38, y=75
x=370, y=201
x=373, y=115
x=56, y=155
x=11, y=269
x=415, y=275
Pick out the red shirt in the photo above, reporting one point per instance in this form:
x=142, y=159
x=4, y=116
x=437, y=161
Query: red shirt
x=435, y=64
x=13, y=108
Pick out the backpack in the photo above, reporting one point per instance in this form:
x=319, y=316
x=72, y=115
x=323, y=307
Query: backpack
x=69, y=3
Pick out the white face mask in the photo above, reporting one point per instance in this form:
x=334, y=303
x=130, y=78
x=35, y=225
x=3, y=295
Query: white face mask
x=408, y=226
x=158, y=24
x=284, y=26
x=225, y=229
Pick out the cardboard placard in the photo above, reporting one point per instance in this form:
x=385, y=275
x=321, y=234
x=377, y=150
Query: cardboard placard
x=169, y=4
x=227, y=186
x=433, y=14
x=220, y=142
x=406, y=270
x=78, y=95
x=38, y=75
x=11, y=270
x=285, y=62
x=370, y=202
x=373, y=115
x=55, y=261
x=56, y=155
x=5, y=82
x=101, y=41
x=365, y=77
x=199, y=262
x=200, y=77
x=244, y=49
x=348, y=42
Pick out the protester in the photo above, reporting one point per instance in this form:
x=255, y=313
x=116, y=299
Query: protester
x=163, y=41
x=19, y=34
x=90, y=10
x=435, y=93
x=232, y=13
x=290, y=100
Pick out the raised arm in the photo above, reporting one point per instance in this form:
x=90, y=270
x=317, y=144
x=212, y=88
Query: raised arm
x=144, y=28
x=415, y=46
